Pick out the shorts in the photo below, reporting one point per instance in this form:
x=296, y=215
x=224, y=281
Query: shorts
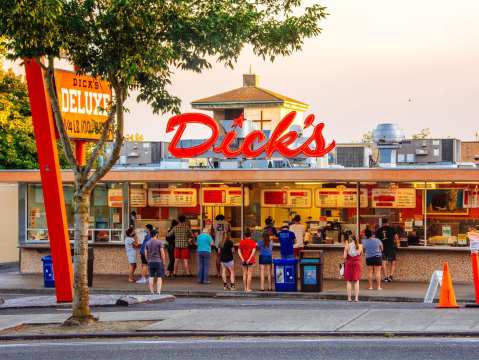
x=156, y=269
x=265, y=259
x=374, y=261
x=143, y=259
x=246, y=264
x=131, y=259
x=182, y=253
x=389, y=255
x=229, y=265
x=297, y=251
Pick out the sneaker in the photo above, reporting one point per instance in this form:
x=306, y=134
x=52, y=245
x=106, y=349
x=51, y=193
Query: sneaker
x=226, y=287
x=386, y=279
x=232, y=287
x=141, y=281
x=390, y=279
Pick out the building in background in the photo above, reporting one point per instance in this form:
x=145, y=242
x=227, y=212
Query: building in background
x=470, y=152
x=262, y=108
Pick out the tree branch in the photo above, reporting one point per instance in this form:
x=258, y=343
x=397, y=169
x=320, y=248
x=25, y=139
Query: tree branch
x=120, y=95
x=103, y=137
x=67, y=146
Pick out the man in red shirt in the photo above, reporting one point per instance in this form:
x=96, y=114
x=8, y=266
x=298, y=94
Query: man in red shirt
x=247, y=250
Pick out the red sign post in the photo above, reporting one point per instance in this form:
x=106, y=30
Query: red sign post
x=44, y=129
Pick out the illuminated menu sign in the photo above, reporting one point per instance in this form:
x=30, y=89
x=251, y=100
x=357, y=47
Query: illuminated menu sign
x=300, y=198
x=394, y=198
x=224, y=196
x=178, y=197
x=115, y=198
x=340, y=197
x=471, y=198
x=274, y=198
x=138, y=197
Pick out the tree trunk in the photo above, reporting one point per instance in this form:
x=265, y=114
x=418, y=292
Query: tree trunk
x=81, y=313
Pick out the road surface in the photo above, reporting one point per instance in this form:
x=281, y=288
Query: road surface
x=246, y=349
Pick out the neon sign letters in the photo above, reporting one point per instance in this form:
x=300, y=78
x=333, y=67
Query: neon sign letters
x=254, y=144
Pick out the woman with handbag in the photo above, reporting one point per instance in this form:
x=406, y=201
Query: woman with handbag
x=352, y=267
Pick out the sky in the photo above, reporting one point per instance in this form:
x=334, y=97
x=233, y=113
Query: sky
x=410, y=62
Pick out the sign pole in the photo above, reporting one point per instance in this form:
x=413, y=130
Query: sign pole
x=475, y=273
x=44, y=130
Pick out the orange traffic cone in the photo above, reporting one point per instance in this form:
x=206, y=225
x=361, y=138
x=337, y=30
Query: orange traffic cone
x=447, y=299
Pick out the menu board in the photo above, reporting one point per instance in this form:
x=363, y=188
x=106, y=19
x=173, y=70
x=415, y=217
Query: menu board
x=394, y=198
x=224, y=196
x=115, y=198
x=340, y=197
x=274, y=198
x=137, y=197
x=471, y=198
x=299, y=198
x=178, y=197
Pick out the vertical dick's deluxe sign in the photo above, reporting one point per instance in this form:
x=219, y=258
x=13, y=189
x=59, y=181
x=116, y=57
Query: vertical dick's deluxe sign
x=84, y=101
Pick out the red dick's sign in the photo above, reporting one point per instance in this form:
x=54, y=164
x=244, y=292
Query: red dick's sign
x=282, y=140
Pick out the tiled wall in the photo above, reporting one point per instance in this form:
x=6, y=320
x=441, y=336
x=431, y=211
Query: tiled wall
x=412, y=265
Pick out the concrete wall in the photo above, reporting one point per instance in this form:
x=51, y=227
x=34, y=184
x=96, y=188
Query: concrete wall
x=9, y=223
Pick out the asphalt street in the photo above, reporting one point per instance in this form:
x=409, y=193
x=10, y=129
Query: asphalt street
x=247, y=349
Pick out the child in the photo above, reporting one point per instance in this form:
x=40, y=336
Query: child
x=265, y=247
x=227, y=263
x=246, y=252
x=156, y=259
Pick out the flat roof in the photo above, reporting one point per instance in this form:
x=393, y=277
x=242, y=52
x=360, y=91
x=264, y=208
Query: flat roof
x=262, y=175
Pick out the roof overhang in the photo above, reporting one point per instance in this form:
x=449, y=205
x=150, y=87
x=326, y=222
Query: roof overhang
x=263, y=175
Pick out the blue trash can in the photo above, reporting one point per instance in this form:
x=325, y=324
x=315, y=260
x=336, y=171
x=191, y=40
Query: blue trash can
x=285, y=278
x=48, y=278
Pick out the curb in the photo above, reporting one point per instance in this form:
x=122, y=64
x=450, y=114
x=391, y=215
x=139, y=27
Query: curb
x=222, y=334
x=231, y=295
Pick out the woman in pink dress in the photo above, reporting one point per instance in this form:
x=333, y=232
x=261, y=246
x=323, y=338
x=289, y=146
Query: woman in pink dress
x=352, y=267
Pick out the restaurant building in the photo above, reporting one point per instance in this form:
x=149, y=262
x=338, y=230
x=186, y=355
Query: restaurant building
x=432, y=207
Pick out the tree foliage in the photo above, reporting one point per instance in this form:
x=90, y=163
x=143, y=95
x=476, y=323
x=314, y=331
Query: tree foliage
x=17, y=142
x=423, y=134
x=137, y=45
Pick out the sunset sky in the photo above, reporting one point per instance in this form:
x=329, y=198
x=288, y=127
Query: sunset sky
x=412, y=62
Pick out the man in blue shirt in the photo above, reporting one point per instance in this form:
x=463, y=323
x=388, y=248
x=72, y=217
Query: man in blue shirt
x=286, y=240
x=144, y=261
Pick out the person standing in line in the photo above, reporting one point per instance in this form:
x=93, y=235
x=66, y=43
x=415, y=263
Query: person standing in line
x=221, y=229
x=204, y=242
x=155, y=254
x=170, y=239
x=227, y=264
x=373, y=249
x=131, y=244
x=299, y=230
x=183, y=238
x=265, y=247
x=270, y=229
x=352, y=267
x=388, y=236
x=286, y=240
x=144, y=260
x=246, y=252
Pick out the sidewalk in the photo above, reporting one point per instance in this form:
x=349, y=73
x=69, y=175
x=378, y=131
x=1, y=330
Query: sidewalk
x=426, y=322
x=14, y=282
